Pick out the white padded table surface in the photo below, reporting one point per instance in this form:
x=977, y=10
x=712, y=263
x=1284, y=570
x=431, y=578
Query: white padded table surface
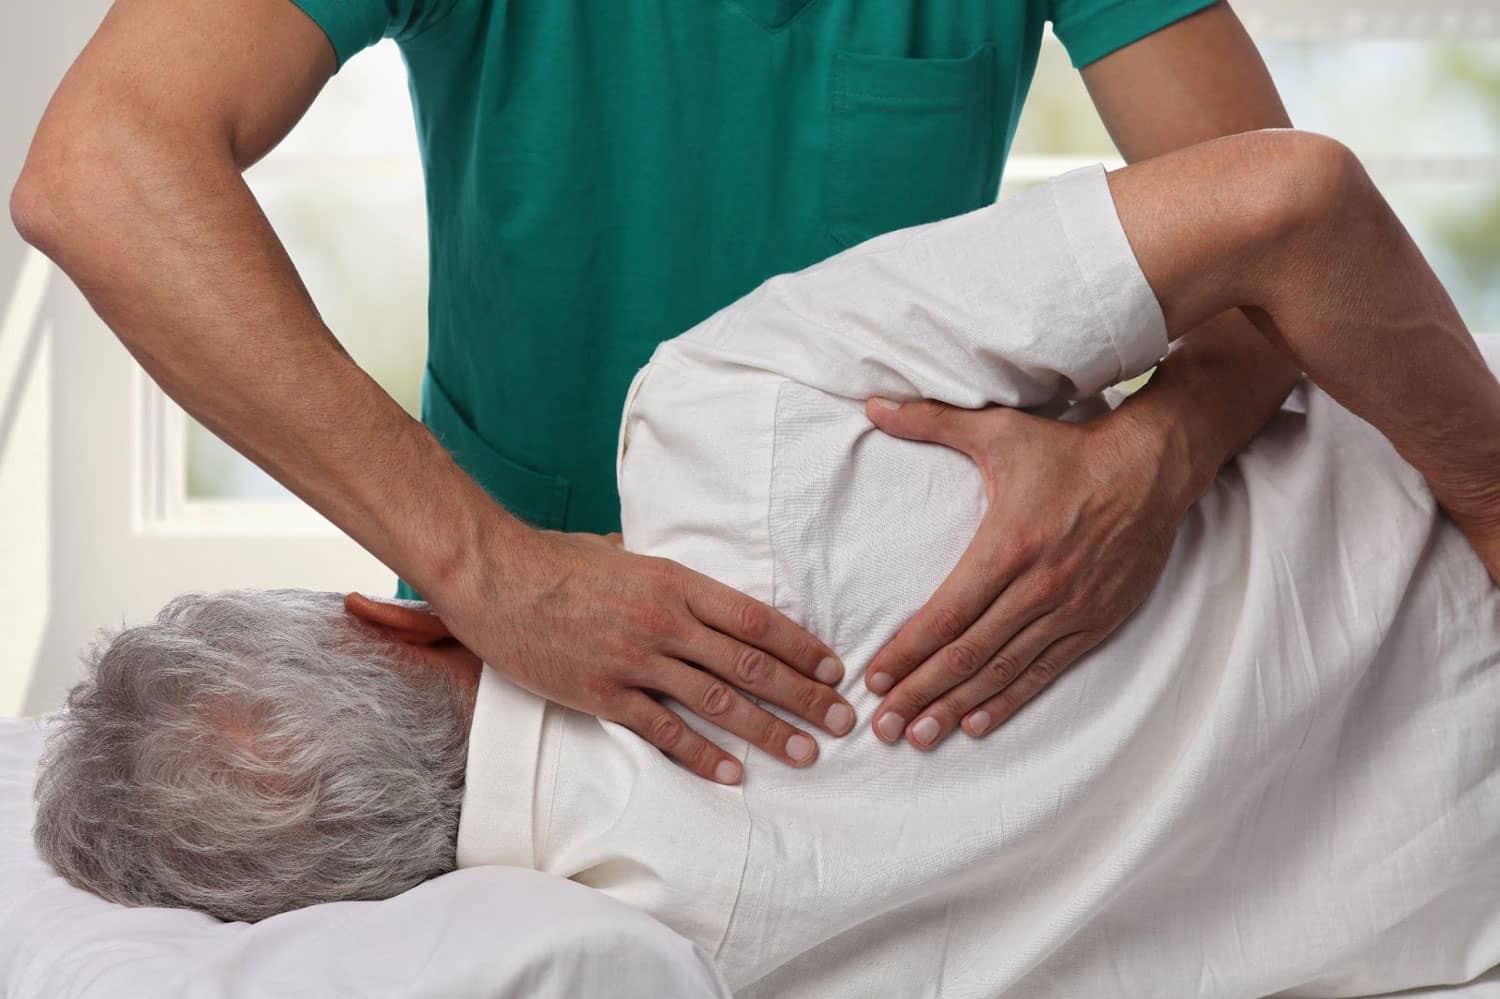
x=492, y=932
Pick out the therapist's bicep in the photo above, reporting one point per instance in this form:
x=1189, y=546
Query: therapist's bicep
x=1194, y=80
x=220, y=78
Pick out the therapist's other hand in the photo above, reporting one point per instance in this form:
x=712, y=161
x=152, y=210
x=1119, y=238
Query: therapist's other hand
x=579, y=620
x=1078, y=528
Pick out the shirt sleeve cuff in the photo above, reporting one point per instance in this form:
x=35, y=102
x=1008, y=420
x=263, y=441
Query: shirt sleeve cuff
x=1123, y=301
x=1092, y=36
x=351, y=25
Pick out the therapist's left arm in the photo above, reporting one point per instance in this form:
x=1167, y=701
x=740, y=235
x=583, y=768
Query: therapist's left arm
x=1081, y=518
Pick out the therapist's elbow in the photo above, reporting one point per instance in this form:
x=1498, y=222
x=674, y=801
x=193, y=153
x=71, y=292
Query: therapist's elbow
x=54, y=199
x=30, y=210
x=77, y=177
x=1303, y=183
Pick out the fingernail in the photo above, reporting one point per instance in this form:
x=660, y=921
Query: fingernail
x=889, y=727
x=882, y=403
x=840, y=719
x=925, y=731
x=800, y=748
x=726, y=772
x=881, y=682
x=830, y=671
x=978, y=722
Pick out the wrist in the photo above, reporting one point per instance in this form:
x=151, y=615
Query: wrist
x=475, y=542
x=1205, y=402
x=1178, y=466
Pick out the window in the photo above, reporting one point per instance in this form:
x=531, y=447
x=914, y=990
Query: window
x=1416, y=95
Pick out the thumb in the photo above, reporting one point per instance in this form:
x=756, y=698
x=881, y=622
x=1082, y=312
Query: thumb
x=923, y=420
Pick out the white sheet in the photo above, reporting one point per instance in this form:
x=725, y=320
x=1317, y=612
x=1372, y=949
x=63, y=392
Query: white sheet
x=492, y=932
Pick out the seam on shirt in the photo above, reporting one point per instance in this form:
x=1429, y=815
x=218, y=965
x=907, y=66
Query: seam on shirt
x=1087, y=26
x=771, y=492
x=1076, y=20
x=739, y=890
x=557, y=754
x=937, y=103
x=411, y=36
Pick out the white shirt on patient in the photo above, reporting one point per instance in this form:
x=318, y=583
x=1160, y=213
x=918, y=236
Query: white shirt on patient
x=1279, y=776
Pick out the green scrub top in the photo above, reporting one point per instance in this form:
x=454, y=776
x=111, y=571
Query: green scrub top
x=603, y=174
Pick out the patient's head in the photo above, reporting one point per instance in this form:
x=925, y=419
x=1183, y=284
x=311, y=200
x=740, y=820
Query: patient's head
x=255, y=751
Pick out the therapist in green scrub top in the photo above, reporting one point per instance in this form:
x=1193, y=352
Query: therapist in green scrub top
x=601, y=175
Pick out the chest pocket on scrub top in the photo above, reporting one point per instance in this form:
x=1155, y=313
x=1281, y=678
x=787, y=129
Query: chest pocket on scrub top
x=910, y=141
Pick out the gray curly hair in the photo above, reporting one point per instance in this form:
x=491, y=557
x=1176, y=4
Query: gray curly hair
x=250, y=752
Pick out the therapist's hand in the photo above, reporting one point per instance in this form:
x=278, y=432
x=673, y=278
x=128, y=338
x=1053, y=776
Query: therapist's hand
x=1080, y=522
x=577, y=619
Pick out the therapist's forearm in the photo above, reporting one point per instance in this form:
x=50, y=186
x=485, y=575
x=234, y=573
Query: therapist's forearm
x=1206, y=401
x=176, y=257
x=1199, y=79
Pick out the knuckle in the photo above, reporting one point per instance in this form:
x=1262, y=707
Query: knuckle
x=1051, y=584
x=943, y=712
x=716, y=699
x=655, y=620
x=701, y=758
x=672, y=580
x=1074, y=605
x=1026, y=546
x=599, y=688
x=770, y=734
x=664, y=730
x=618, y=645
x=752, y=619
x=998, y=562
x=805, y=699
x=1015, y=697
x=1047, y=670
x=753, y=667
x=963, y=659
x=904, y=703
x=1001, y=669
x=945, y=623
x=666, y=570
x=806, y=650
x=929, y=410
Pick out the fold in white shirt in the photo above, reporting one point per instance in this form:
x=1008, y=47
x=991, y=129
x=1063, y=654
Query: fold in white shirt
x=1278, y=777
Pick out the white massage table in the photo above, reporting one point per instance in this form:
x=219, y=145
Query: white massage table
x=491, y=932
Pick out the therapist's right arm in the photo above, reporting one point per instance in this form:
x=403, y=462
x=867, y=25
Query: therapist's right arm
x=133, y=186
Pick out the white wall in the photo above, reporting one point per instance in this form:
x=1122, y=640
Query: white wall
x=35, y=50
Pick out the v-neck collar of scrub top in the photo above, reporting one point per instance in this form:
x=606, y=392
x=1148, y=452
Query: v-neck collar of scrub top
x=773, y=15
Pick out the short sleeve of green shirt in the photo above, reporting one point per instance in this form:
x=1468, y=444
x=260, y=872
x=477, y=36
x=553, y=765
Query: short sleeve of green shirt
x=1092, y=29
x=353, y=25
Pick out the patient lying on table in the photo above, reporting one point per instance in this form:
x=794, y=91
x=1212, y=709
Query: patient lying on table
x=1281, y=775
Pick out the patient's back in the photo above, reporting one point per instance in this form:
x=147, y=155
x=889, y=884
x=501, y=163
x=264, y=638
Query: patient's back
x=1279, y=768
